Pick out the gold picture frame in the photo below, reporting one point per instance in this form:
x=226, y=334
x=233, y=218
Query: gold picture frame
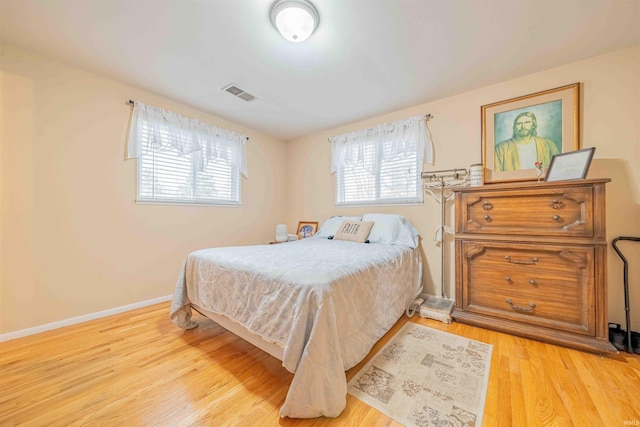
x=550, y=118
x=307, y=229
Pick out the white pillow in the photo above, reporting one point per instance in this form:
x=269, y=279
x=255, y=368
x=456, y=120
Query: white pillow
x=331, y=225
x=392, y=229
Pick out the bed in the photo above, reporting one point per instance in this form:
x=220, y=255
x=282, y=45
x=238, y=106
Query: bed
x=317, y=304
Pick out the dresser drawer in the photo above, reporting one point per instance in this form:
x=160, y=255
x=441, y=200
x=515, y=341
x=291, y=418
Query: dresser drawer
x=549, y=286
x=540, y=212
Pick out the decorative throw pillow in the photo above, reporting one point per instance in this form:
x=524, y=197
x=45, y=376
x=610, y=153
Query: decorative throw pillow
x=354, y=231
x=331, y=225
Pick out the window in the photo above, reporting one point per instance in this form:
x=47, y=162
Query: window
x=166, y=176
x=397, y=180
x=181, y=160
x=382, y=165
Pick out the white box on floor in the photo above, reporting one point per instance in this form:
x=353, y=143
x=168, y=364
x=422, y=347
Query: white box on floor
x=437, y=309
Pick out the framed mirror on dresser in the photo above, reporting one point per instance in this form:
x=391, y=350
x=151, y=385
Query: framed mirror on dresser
x=531, y=261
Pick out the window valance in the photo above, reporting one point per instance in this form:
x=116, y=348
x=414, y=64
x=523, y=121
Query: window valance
x=156, y=129
x=396, y=140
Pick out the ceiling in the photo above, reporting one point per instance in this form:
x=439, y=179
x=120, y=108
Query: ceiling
x=367, y=57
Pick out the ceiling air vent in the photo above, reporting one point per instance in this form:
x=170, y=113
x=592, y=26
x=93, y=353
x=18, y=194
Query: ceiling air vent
x=236, y=91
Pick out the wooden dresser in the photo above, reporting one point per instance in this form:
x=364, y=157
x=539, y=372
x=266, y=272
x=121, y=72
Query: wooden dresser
x=531, y=261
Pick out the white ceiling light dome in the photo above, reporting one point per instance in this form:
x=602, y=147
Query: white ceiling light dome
x=296, y=20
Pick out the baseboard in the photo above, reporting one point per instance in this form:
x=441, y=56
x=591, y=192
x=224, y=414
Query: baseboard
x=80, y=319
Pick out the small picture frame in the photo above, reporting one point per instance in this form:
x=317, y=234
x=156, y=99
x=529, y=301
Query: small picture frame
x=307, y=229
x=571, y=165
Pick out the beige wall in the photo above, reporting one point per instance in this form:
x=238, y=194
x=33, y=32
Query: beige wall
x=610, y=109
x=72, y=239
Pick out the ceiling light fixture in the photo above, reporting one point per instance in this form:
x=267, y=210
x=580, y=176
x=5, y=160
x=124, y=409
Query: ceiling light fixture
x=296, y=20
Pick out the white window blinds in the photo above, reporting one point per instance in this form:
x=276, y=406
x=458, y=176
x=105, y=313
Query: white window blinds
x=182, y=160
x=381, y=165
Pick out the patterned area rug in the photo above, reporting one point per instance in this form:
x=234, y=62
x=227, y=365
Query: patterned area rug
x=425, y=377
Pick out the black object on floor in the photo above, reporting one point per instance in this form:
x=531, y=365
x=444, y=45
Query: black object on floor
x=617, y=336
x=635, y=342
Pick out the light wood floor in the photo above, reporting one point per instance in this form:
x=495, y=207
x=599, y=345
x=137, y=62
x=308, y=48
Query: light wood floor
x=138, y=369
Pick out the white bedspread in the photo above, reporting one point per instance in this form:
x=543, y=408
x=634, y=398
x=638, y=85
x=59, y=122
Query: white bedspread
x=326, y=302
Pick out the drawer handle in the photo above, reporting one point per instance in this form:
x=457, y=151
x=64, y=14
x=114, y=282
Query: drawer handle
x=556, y=204
x=487, y=218
x=508, y=278
x=556, y=218
x=533, y=261
x=529, y=309
x=487, y=206
x=532, y=282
